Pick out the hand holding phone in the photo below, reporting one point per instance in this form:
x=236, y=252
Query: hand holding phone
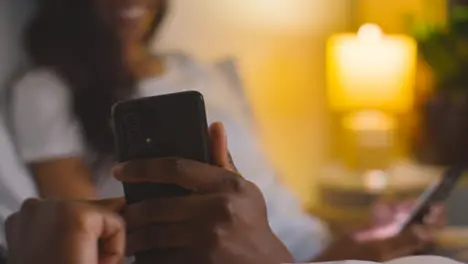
x=437, y=193
x=172, y=125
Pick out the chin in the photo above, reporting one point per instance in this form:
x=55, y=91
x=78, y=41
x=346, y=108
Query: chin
x=131, y=36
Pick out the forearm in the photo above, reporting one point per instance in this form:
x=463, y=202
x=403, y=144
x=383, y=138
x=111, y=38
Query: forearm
x=67, y=188
x=64, y=179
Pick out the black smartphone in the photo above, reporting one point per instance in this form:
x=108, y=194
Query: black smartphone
x=436, y=193
x=171, y=125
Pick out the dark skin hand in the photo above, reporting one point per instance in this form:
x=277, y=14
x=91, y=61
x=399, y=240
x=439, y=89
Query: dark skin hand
x=57, y=232
x=223, y=221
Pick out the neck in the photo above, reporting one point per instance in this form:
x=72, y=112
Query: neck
x=140, y=61
x=135, y=53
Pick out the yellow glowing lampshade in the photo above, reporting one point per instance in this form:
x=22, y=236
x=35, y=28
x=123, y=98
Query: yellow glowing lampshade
x=371, y=70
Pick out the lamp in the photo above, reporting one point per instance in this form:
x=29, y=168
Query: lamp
x=371, y=70
x=370, y=80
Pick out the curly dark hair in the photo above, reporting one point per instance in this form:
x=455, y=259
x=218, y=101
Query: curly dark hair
x=69, y=37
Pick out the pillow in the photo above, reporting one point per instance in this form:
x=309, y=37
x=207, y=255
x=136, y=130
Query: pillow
x=227, y=69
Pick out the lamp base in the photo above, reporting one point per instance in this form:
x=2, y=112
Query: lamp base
x=368, y=140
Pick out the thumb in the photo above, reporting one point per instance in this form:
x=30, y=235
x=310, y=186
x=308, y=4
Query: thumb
x=219, y=147
x=112, y=240
x=109, y=228
x=111, y=236
x=406, y=243
x=99, y=238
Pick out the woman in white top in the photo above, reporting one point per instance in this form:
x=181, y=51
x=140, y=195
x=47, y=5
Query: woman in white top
x=89, y=54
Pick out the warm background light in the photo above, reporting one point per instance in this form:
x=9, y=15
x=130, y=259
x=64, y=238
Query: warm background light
x=371, y=70
x=368, y=120
x=281, y=52
x=392, y=16
x=370, y=33
x=287, y=17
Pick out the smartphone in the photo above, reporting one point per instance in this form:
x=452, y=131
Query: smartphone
x=171, y=125
x=438, y=192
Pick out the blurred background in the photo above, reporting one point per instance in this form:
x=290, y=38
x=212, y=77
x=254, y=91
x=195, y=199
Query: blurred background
x=284, y=53
x=355, y=100
x=280, y=50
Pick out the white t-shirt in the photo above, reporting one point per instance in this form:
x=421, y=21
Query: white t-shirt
x=46, y=128
x=16, y=184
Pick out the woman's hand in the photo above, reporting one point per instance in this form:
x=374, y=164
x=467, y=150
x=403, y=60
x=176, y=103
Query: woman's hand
x=384, y=240
x=388, y=242
x=386, y=229
x=378, y=249
x=223, y=221
x=387, y=213
x=57, y=232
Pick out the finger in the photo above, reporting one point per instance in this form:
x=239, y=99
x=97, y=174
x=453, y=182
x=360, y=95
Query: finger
x=188, y=174
x=406, y=238
x=406, y=243
x=423, y=234
x=96, y=234
x=162, y=211
x=436, y=216
x=12, y=229
x=166, y=236
x=112, y=240
x=219, y=147
x=417, y=235
x=30, y=207
x=178, y=210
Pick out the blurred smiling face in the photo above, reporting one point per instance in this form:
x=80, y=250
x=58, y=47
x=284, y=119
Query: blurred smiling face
x=132, y=19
